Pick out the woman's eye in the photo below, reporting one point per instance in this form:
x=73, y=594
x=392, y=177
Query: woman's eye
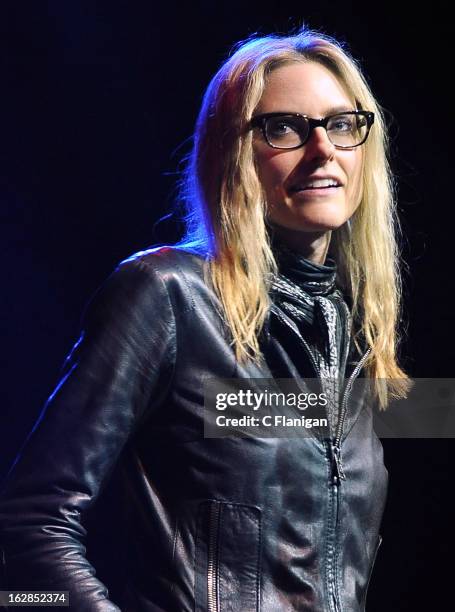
x=342, y=125
x=281, y=128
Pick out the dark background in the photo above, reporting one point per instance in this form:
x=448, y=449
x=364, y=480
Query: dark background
x=97, y=106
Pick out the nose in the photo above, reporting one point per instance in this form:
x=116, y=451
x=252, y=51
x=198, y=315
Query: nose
x=319, y=144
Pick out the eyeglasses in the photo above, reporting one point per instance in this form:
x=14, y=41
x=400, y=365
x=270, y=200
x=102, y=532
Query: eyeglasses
x=292, y=130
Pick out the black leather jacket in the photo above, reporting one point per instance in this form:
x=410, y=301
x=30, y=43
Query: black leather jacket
x=238, y=524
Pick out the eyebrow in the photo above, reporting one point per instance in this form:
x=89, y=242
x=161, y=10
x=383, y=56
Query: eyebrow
x=338, y=109
x=329, y=111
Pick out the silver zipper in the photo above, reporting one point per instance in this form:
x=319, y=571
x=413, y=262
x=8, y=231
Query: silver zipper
x=347, y=391
x=331, y=558
x=337, y=476
x=337, y=465
x=335, y=603
x=335, y=460
x=212, y=566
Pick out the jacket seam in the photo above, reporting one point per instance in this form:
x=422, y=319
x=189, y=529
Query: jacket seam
x=174, y=562
x=190, y=292
x=259, y=564
x=337, y=556
x=171, y=307
x=370, y=574
x=177, y=266
x=327, y=534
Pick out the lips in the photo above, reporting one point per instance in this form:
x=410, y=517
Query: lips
x=298, y=188
x=316, y=181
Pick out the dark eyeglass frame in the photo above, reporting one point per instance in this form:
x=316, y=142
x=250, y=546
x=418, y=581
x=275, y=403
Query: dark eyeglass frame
x=260, y=121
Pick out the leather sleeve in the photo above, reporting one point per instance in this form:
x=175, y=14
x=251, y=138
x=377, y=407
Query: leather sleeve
x=119, y=370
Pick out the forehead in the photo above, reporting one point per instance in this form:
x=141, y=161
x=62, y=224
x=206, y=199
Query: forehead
x=308, y=88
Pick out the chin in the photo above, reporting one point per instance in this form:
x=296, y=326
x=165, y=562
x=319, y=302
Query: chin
x=312, y=217
x=313, y=223
x=322, y=225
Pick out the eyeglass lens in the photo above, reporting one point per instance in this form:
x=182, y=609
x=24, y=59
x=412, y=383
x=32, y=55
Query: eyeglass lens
x=343, y=130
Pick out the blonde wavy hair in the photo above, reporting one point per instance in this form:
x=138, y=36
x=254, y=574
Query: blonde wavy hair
x=226, y=209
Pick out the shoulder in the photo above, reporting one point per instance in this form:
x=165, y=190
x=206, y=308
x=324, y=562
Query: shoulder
x=166, y=261
x=155, y=278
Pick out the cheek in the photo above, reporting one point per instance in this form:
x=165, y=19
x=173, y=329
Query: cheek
x=273, y=169
x=356, y=182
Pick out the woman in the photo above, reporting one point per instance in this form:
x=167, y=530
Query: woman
x=288, y=269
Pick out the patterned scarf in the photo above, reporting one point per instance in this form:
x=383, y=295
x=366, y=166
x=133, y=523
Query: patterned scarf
x=306, y=292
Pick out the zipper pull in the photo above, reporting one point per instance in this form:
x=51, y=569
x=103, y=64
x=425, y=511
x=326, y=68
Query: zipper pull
x=337, y=466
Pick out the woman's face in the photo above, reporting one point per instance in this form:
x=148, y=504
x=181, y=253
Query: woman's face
x=309, y=89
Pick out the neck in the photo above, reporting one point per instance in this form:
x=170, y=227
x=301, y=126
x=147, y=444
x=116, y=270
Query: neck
x=311, y=245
